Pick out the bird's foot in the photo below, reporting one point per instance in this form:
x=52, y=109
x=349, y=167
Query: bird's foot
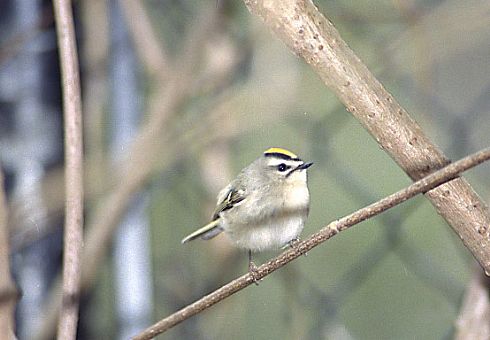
x=254, y=273
x=294, y=244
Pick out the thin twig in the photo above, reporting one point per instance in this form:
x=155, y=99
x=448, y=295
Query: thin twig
x=72, y=108
x=138, y=167
x=300, y=25
x=430, y=182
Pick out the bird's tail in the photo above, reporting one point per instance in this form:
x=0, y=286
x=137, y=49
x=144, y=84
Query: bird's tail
x=210, y=230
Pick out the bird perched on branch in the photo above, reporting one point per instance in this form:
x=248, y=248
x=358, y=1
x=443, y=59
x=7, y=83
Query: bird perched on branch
x=264, y=207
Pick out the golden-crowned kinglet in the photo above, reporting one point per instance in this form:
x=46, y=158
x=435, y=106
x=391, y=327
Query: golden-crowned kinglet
x=265, y=206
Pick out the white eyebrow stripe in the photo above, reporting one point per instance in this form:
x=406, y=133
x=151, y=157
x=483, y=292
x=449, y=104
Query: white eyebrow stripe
x=276, y=162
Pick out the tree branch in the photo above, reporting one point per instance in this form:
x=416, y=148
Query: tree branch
x=138, y=167
x=305, y=30
x=72, y=108
x=430, y=182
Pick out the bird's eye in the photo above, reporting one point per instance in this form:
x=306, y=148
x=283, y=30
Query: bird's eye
x=282, y=167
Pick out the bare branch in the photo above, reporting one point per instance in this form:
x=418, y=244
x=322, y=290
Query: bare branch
x=72, y=108
x=311, y=36
x=430, y=182
x=139, y=166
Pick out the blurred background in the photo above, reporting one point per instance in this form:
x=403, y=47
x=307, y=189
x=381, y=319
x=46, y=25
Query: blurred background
x=178, y=96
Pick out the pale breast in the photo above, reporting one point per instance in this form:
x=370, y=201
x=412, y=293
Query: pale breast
x=271, y=234
x=298, y=196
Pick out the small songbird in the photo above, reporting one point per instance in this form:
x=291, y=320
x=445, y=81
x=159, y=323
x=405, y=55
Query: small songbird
x=264, y=207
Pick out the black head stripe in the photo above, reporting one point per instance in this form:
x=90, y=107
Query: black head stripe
x=282, y=156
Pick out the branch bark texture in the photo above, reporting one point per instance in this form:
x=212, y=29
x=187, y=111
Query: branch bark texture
x=430, y=182
x=305, y=30
x=72, y=110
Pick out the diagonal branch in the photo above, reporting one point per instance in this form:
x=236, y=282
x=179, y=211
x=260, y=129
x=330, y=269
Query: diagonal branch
x=430, y=182
x=311, y=36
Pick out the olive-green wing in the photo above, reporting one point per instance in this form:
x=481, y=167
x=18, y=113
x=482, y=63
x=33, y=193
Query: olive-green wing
x=229, y=199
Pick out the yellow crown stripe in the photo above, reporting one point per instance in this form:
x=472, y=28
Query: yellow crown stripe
x=281, y=151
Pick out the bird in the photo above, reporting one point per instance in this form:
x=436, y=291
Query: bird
x=265, y=207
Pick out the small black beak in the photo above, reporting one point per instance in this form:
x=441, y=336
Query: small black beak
x=304, y=166
x=300, y=167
